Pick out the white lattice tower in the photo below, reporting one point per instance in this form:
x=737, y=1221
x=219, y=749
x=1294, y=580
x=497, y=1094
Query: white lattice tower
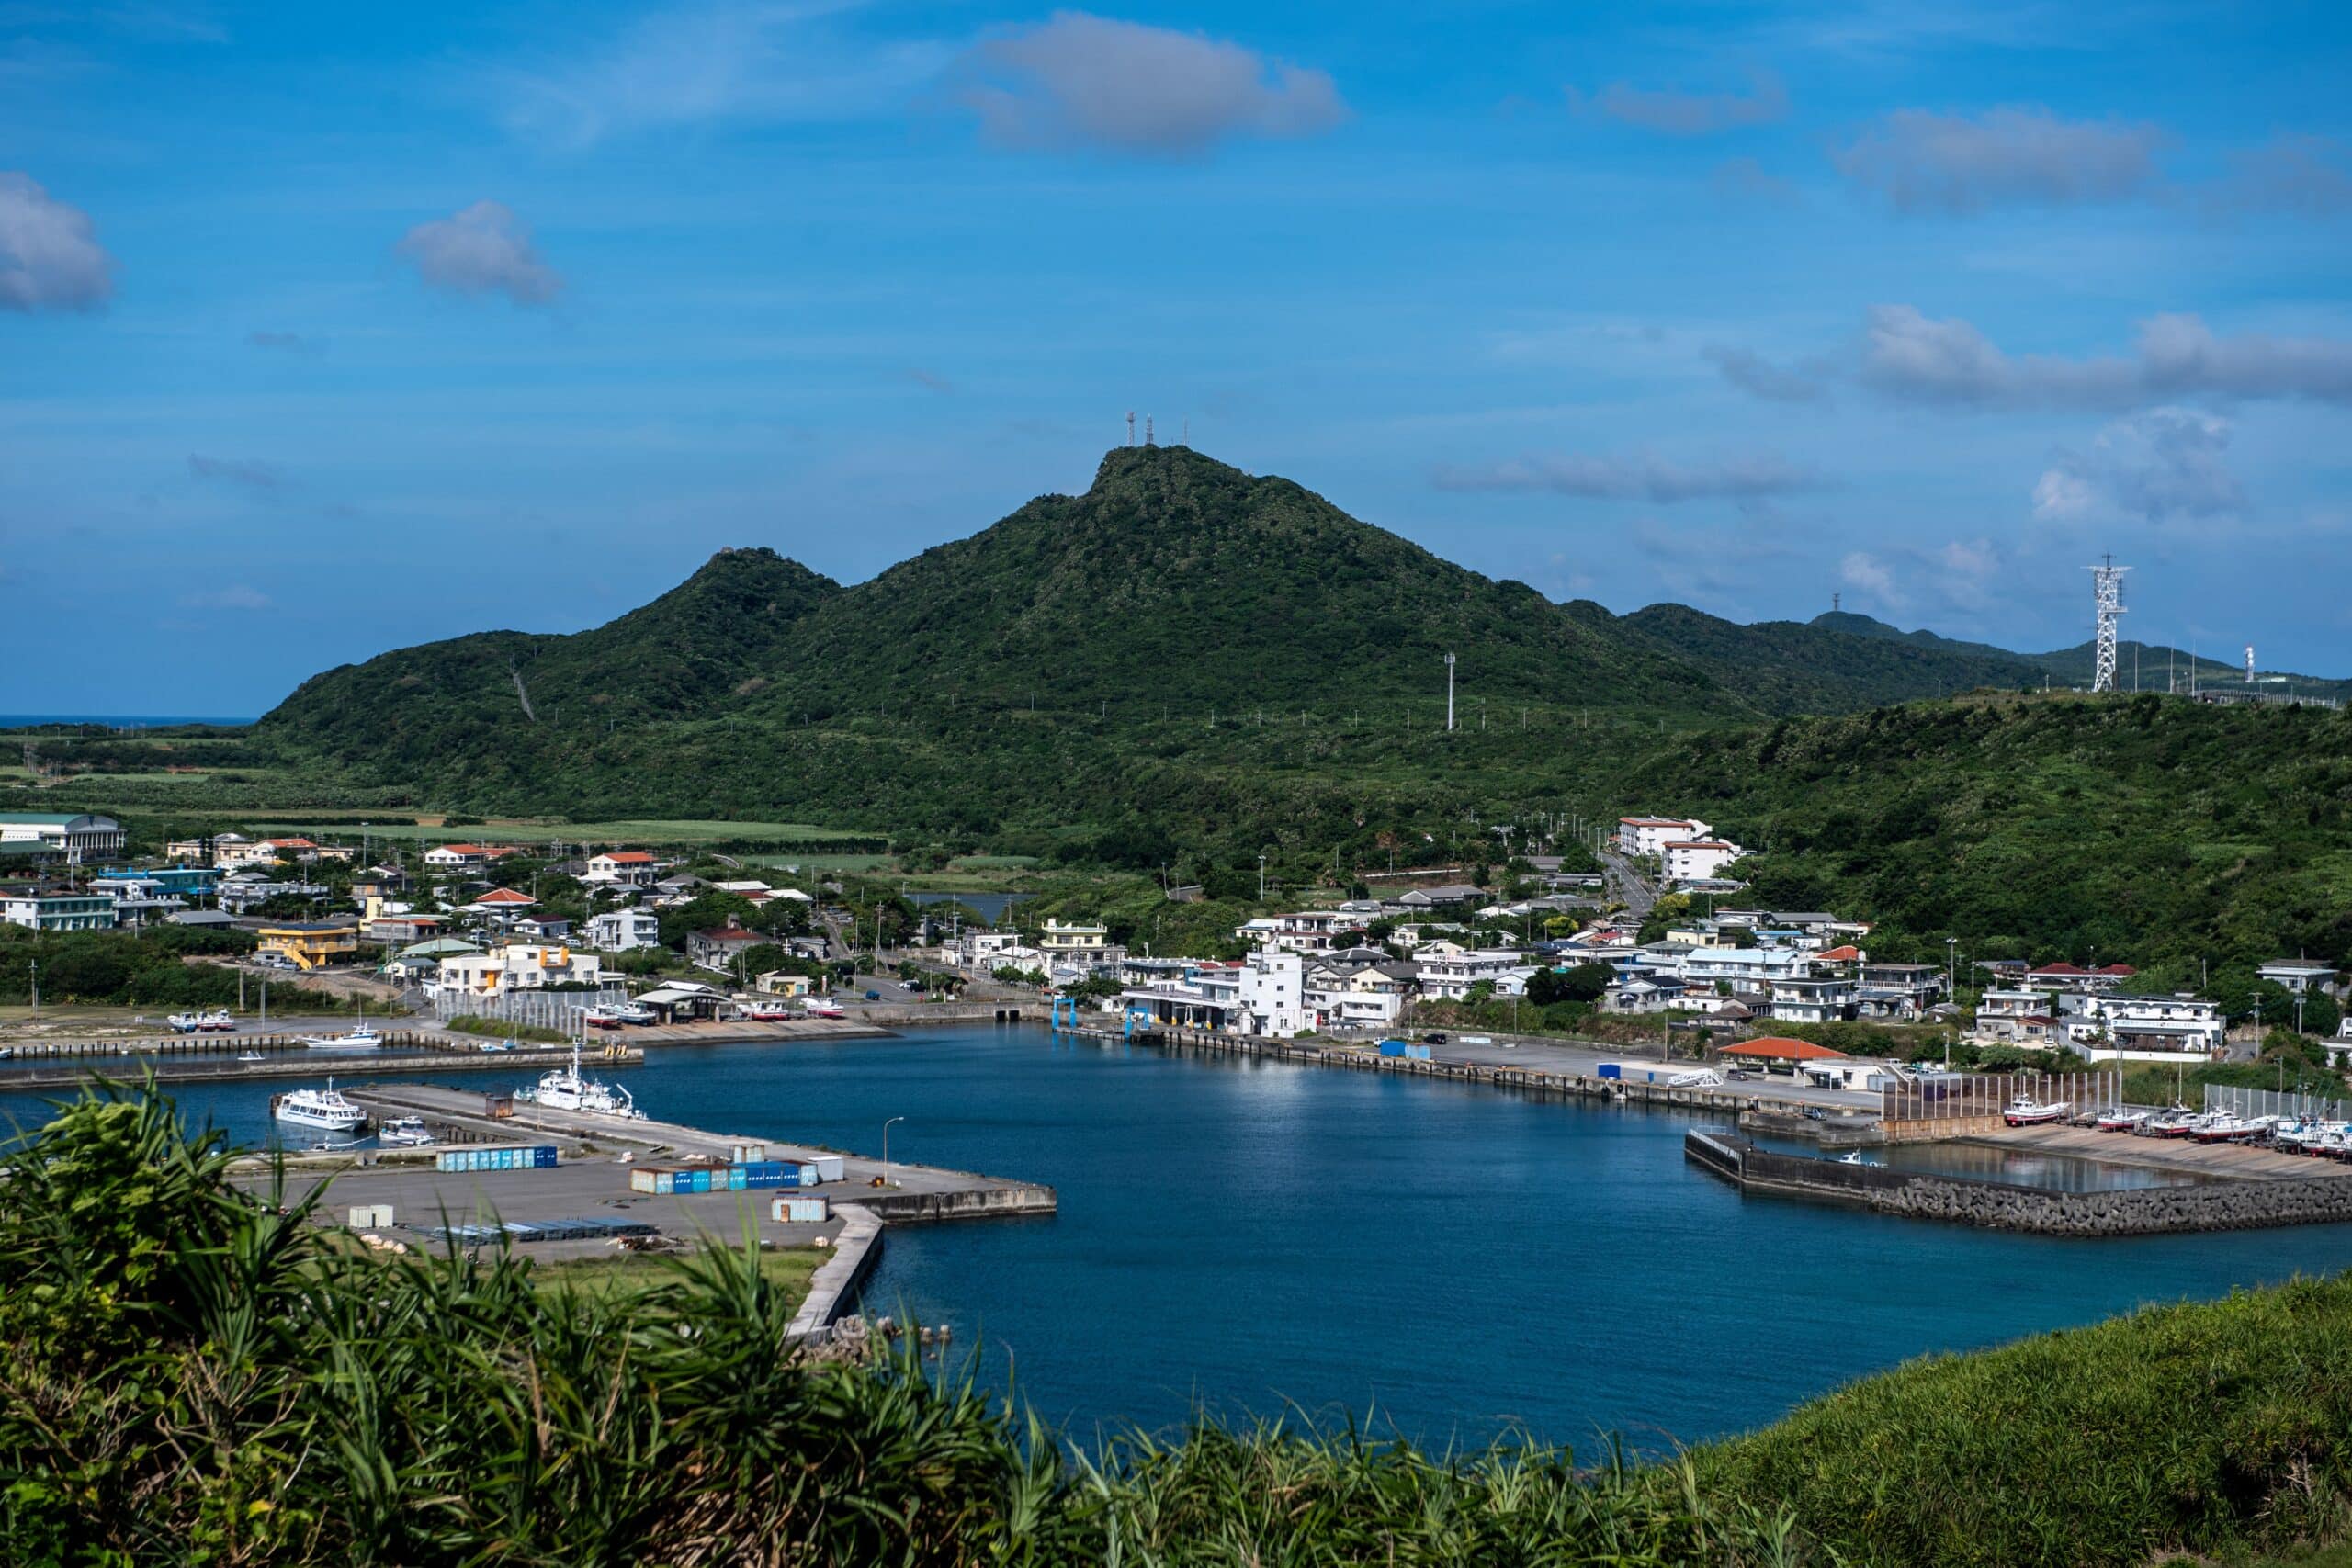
x=2107, y=598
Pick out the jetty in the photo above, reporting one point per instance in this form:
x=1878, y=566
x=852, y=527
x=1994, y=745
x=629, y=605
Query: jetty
x=403, y=1053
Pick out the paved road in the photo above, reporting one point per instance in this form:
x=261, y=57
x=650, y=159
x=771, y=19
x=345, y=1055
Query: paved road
x=1625, y=885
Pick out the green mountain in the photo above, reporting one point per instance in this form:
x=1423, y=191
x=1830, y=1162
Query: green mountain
x=1791, y=667
x=2155, y=663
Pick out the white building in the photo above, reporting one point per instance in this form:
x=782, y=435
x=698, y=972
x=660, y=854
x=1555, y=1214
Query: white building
x=1650, y=835
x=1449, y=970
x=2141, y=1028
x=1076, y=943
x=621, y=868
x=1742, y=968
x=623, y=930
x=1357, y=995
x=1817, y=998
x=1273, y=994
x=1695, y=860
x=1308, y=930
x=518, y=966
x=80, y=836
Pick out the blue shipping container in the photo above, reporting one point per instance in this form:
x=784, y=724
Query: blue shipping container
x=738, y=1178
x=1392, y=1047
x=1417, y=1052
x=1612, y=1070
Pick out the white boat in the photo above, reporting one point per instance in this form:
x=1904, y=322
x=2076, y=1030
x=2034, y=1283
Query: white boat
x=2231, y=1129
x=217, y=1020
x=1705, y=1078
x=630, y=1013
x=2121, y=1118
x=564, y=1089
x=2175, y=1123
x=822, y=1009
x=360, y=1038
x=404, y=1132
x=2027, y=1111
x=251, y=1056
x=601, y=1017
x=185, y=1022
x=322, y=1108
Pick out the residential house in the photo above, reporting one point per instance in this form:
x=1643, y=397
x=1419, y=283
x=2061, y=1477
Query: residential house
x=397, y=923
x=1308, y=930
x=312, y=944
x=80, y=836
x=2301, y=975
x=2018, y=1018
x=1077, y=945
x=518, y=966
x=621, y=868
x=1448, y=970
x=2069, y=977
x=1742, y=968
x=1354, y=994
x=624, y=930
x=464, y=857
x=416, y=965
x=1813, y=999
x=138, y=900
x=2118, y=1027
x=206, y=851
x=1421, y=899
x=983, y=949
x=717, y=948
x=543, y=928
x=1273, y=994
x=1643, y=996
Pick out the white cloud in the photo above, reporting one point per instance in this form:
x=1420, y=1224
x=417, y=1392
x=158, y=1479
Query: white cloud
x=1084, y=81
x=1758, y=376
x=1639, y=477
x=1674, y=113
x=49, y=255
x=1909, y=356
x=2165, y=464
x=695, y=65
x=484, y=249
x=1868, y=575
x=1918, y=159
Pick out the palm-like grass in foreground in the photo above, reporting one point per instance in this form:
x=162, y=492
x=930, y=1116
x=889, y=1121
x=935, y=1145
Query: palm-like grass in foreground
x=188, y=1375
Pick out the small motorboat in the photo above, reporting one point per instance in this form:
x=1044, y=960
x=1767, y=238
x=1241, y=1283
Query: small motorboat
x=218, y=1021
x=771, y=1012
x=2027, y=1111
x=2120, y=1119
x=2175, y=1123
x=404, y=1132
x=360, y=1038
x=2226, y=1129
x=251, y=1056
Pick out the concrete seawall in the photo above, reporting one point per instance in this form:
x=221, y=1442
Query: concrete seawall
x=2000, y=1205
x=833, y=1289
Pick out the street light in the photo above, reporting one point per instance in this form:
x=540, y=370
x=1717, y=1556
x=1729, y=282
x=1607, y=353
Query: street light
x=885, y=1147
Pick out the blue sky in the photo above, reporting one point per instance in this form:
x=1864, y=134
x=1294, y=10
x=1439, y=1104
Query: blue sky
x=329, y=329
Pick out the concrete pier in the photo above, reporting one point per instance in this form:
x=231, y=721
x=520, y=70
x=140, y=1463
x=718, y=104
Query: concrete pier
x=2234, y=1199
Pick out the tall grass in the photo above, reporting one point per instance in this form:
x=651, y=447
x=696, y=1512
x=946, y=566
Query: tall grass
x=190, y=1374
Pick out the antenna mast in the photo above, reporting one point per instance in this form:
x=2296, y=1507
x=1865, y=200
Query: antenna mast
x=1147, y=430
x=1130, y=427
x=2106, y=601
x=1448, y=692
x=2249, y=664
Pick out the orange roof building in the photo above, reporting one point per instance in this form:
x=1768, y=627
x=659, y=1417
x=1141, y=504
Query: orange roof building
x=1778, y=1048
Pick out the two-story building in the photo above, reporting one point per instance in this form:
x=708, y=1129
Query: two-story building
x=311, y=944
x=1449, y=970
x=1077, y=945
x=1352, y=995
x=621, y=868
x=57, y=909
x=2118, y=1026
x=1813, y=999
x=717, y=947
x=516, y=967
x=1307, y=930
x=624, y=930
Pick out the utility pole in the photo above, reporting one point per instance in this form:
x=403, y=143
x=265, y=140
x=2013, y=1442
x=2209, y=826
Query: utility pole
x=1449, y=692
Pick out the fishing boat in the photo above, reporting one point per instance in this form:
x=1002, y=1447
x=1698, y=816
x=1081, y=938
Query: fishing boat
x=251, y=1056
x=185, y=1022
x=770, y=1012
x=218, y=1021
x=563, y=1089
x=2027, y=1111
x=2227, y=1129
x=630, y=1013
x=360, y=1038
x=325, y=1109
x=2120, y=1119
x=404, y=1132
x=816, y=1008
x=601, y=1017
x=2176, y=1122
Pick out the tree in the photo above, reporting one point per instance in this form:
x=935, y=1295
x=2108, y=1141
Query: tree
x=1586, y=982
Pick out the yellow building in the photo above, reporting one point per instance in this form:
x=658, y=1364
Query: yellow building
x=310, y=944
x=778, y=983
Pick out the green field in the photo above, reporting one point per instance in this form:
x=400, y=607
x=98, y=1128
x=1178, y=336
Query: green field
x=630, y=1274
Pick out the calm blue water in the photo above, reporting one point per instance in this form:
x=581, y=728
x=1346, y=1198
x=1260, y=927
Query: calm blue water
x=121, y=721
x=1248, y=1234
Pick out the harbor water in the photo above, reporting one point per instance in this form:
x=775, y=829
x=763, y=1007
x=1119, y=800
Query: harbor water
x=1442, y=1260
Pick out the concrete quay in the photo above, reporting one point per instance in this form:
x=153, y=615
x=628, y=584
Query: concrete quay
x=288, y=1057
x=1568, y=1072
x=2236, y=1198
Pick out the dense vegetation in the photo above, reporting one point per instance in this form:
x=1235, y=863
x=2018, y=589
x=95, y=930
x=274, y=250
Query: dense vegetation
x=189, y=1374
x=136, y=969
x=2188, y=840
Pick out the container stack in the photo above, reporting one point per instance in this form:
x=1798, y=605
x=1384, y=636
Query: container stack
x=496, y=1157
x=679, y=1181
x=800, y=1210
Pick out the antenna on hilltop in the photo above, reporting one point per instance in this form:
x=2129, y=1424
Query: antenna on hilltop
x=1448, y=692
x=1130, y=427
x=2106, y=603
x=2249, y=664
x=1147, y=430
x=1836, y=602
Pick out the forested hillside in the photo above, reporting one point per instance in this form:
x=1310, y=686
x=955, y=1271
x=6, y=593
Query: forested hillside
x=2163, y=832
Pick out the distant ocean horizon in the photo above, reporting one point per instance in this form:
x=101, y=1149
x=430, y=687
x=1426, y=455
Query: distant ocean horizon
x=119, y=721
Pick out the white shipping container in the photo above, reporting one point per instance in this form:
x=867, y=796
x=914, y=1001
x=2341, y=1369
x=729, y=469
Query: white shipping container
x=828, y=1167
x=800, y=1210
x=746, y=1154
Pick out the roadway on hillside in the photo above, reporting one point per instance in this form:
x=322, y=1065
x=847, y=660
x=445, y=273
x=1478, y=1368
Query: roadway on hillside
x=1626, y=885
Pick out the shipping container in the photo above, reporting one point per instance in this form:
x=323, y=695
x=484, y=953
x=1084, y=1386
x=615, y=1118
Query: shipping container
x=744, y=1154
x=738, y=1178
x=1612, y=1070
x=666, y=1183
x=1392, y=1047
x=1417, y=1053
x=800, y=1210
x=496, y=1157
x=829, y=1168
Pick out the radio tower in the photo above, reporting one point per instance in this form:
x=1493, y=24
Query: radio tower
x=1448, y=692
x=2107, y=597
x=1130, y=427
x=2249, y=664
x=1147, y=430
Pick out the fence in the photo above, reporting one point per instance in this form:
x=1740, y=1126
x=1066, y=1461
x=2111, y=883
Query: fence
x=1940, y=1102
x=559, y=1011
x=2252, y=1102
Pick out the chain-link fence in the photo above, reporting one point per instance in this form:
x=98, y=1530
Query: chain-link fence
x=559, y=1011
x=2253, y=1102
x=1968, y=1097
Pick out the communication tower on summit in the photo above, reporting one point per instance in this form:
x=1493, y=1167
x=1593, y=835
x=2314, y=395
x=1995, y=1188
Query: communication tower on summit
x=1130, y=427
x=1146, y=430
x=2249, y=664
x=2106, y=600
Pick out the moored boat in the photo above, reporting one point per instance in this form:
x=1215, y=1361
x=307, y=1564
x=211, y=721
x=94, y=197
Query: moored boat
x=326, y=1109
x=2121, y=1118
x=2226, y=1129
x=2027, y=1111
x=564, y=1089
x=404, y=1132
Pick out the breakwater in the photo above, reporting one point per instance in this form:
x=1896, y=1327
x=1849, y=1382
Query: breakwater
x=1533, y=1081
x=301, y=1061
x=2219, y=1205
